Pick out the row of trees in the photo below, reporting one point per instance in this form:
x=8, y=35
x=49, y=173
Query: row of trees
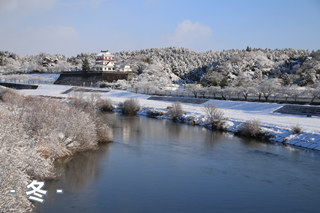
x=266, y=89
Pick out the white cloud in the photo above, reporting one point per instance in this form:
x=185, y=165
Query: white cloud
x=188, y=33
x=7, y=6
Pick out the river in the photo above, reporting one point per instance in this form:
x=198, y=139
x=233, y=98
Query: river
x=161, y=166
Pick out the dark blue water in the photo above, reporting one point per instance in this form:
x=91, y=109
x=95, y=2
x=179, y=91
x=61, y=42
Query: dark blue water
x=161, y=166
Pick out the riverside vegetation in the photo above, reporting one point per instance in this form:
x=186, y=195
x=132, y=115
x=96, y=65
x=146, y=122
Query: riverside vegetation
x=35, y=131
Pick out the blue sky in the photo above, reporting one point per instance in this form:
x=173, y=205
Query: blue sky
x=69, y=27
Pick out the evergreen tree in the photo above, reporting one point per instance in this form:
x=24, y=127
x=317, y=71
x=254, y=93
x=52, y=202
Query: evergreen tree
x=258, y=74
x=311, y=78
x=85, y=65
x=286, y=79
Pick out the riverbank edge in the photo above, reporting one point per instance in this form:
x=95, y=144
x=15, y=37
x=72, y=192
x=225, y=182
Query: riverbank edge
x=274, y=134
x=286, y=136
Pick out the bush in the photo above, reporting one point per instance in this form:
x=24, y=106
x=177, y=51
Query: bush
x=175, y=110
x=11, y=96
x=20, y=163
x=36, y=133
x=105, y=105
x=78, y=99
x=213, y=112
x=46, y=119
x=93, y=98
x=151, y=113
x=131, y=106
x=251, y=128
x=296, y=129
x=215, y=115
x=103, y=85
x=104, y=133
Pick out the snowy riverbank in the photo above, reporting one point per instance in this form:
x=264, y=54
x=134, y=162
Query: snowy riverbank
x=277, y=125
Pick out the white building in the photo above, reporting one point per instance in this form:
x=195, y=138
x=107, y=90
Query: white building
x=125, y=68
x=104, y=61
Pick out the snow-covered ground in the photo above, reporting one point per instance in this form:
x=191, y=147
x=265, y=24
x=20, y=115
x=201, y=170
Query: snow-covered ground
x=278, y=125
x=48, y=76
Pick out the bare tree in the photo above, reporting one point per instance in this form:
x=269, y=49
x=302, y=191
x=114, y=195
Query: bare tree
x=136, y=88
x=213, y=112
x=214, y=90
x=276, y=93
x=230, y=91
x=194, y=89
x=246, y=91
x=295, y=92
x=175, y=110
x=223, y=93
x=203, y=91
x=268, y=88
x=147, y=88
x=313, y=93
x=285, y=92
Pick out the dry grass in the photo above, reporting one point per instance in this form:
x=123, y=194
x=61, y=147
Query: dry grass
x=251, y=128
x=296, y=129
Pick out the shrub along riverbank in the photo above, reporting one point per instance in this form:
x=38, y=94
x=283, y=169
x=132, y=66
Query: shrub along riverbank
x=34, y=132
x=213, y=117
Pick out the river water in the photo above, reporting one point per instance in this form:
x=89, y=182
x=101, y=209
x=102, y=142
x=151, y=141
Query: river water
x=161, y=166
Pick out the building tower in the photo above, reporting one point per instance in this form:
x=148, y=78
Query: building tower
x=104, y=62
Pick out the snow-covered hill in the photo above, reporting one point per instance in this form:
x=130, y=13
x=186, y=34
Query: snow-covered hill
x=184, y=65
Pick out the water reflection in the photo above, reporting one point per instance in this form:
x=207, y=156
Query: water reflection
x=76, y=173
x=253, y=143
x=128, y=128
x=162, y=166
x=83, y=167
x=213, y=138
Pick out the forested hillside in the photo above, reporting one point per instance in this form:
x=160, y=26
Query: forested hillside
x=182, y=65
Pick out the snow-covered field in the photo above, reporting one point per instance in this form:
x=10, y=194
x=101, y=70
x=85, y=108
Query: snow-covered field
x=278, y=125
x=48, y=76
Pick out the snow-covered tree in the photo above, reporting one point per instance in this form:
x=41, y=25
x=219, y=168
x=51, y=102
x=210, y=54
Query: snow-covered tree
x=286, y=79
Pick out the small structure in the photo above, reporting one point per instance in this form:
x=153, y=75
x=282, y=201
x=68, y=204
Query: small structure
x=125, y=68
x=104, y=62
